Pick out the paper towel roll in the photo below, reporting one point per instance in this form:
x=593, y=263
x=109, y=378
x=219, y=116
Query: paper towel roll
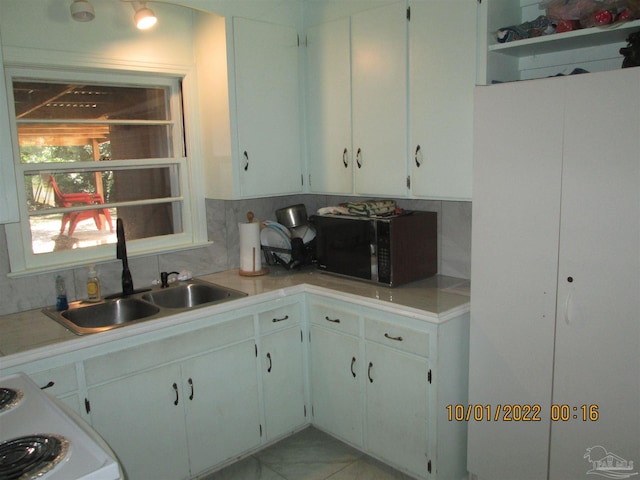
x=250, y=254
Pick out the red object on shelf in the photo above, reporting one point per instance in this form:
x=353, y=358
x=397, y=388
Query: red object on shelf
x=567, y=26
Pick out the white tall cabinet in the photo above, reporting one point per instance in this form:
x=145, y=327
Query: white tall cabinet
x=556, y=274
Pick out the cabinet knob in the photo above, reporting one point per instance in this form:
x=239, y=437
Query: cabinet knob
x=353, y=362
x=246, y=161
x=270, y=363
x=345, y=158
x=369, y=372
x=191, y=385
x=359, y=158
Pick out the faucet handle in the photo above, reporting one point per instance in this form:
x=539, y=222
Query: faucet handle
x=164, y=278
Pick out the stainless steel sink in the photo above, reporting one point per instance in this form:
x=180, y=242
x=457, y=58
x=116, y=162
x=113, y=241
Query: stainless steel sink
x=84, y=318
x=191, y=295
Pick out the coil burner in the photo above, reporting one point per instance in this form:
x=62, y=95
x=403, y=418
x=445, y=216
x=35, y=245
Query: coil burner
x=31, y=456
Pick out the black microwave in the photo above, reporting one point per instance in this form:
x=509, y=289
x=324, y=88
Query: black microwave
x=387, y=250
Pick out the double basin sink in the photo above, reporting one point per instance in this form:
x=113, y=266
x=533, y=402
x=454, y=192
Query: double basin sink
x=83, y=317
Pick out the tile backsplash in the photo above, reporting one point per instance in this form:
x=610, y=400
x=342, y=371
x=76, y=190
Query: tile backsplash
x=223, y=216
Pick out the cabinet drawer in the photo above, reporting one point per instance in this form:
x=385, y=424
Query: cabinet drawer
x=400, y=337
x=58, y=381
x=281, y=317
x=334, y=317
x=138, y=358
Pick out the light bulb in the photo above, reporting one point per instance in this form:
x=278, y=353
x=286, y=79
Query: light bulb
x=144, y=18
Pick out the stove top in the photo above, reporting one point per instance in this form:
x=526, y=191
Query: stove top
x=41, y=439
x=31, y=456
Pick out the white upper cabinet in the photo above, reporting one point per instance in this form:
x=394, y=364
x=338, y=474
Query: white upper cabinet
x=441, y=84
x=249, y=112
x=379, y=96
x=592, y=49
x=8, y=194
x=380, y=73
x=328, y=120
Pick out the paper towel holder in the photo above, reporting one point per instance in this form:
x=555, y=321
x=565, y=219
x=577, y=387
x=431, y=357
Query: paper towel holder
x=256, y=251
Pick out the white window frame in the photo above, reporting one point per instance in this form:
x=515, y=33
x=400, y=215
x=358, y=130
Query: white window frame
x=24, y=262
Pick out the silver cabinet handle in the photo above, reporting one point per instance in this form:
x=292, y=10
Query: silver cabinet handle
x=397, y=339
x=353, y=362
x=276, y=320
x=359, y=158
x=246, y=161
x=345, y=158
x=175, y=388
x=332, y=320
x=191, y=385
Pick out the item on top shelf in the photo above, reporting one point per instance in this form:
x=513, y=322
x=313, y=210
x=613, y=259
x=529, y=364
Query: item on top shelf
x=535, y=28
x=589, y=13
x=631, y=52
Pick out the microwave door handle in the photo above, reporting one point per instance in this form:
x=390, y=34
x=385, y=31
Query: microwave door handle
x=373, y=248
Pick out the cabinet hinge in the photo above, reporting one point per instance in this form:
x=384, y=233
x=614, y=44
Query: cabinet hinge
x=302, y=179
x=256, y=348
x=260, y=430
x=429, y=376
x=408, y=181
x=305, y=411
x=301, y=337
x=408, y=14
x=298, y=35
x=87, y=405
x=429, y=466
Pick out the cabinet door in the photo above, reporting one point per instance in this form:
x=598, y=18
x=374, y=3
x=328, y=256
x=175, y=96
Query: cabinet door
x=397, y=405
x=597, y=356
x=441, y=84
x=379, y=66
x=336, y=383
x=268, y=123
x=329, y=107
x=221, y=398
x=283, y=381
x=142, y=418
x=516, y=215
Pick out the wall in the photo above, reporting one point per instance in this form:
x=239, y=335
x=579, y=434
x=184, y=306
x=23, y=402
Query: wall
x=36, y=291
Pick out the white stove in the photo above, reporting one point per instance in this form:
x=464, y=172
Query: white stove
x=41, y=439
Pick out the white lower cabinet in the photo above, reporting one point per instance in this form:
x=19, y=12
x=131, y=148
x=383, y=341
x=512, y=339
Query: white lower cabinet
x=142, y=418
x=337, y=383
x=373, y=385
x=283, y=370
x=397, y=404
x=174, y=420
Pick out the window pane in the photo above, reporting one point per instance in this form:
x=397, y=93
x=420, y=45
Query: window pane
x=67, y=142
x=62, y=101
x=89, y=228
x=69, y=189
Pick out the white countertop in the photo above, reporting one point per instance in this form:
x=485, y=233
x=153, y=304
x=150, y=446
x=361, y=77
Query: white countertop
x=436, y=299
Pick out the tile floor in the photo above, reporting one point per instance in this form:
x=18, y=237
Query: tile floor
x=308, y=455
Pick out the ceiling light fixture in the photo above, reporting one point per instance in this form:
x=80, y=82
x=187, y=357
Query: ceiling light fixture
x=82, y=11
x=144, y=17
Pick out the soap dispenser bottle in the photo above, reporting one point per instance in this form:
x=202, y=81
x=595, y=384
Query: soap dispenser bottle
x=93, y=285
